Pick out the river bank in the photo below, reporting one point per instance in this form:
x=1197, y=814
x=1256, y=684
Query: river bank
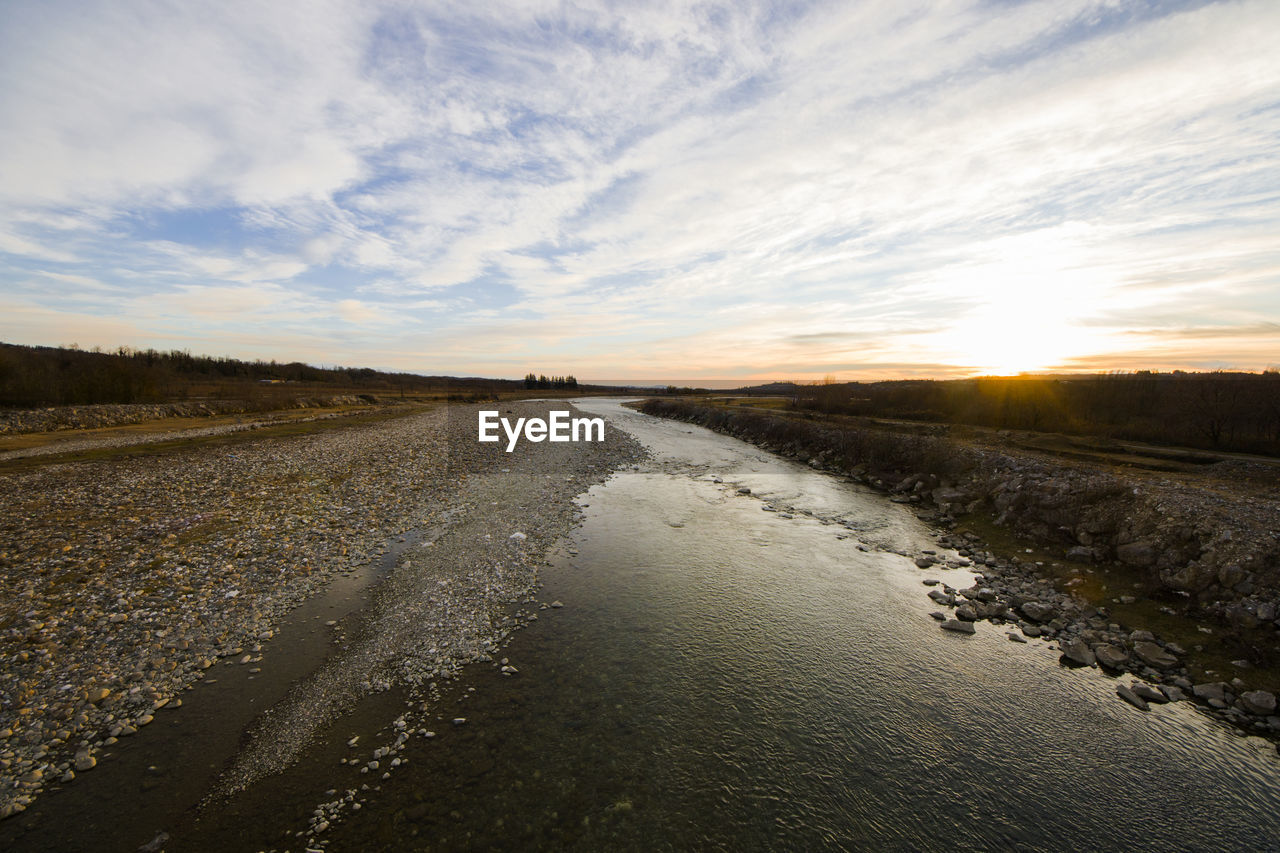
x=1173, y=580
x=128, y=579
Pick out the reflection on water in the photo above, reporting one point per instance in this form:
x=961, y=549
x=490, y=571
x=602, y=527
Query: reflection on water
x=726, y=678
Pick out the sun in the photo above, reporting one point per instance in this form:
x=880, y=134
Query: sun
x=1029, y=298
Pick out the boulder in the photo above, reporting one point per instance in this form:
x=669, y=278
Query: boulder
x=1154, y=656
x=1261, y=703
x=1149, y=693
x=1209, y=691
x=1078, y=653
x=1036, y=611
x=1138, y=553
x=1111, y=657
x=958, y=626
x=1126, y=693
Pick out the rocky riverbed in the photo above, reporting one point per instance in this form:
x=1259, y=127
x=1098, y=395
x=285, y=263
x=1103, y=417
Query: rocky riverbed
x=1010, y=594
x=127, y=580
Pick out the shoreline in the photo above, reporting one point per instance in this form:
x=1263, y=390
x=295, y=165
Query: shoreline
x=1014, y=591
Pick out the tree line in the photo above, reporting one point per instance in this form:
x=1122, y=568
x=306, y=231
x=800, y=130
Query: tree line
x=543, y=381
x=52, y=376
x=1220, y=411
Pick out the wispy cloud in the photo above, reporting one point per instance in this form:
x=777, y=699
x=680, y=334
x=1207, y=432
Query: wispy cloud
x=653, y=189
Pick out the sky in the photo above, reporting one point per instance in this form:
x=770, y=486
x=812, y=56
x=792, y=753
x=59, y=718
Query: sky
x=789, y=190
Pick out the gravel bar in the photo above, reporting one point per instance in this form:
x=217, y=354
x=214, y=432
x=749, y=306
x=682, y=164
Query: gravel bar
x=125, y=580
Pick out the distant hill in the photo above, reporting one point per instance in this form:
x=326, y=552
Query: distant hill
x=772, y=389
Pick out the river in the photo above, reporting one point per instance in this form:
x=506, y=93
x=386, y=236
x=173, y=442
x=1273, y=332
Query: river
x=736, y=654
x=725, y=677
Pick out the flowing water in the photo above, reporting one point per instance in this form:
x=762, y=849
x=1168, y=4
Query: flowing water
x=725, y=677
x=728, y=671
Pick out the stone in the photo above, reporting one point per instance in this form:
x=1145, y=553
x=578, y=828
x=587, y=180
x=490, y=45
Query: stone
x=1260, y=703
x=85, y=761
x=1110, y=656
x=1037, y=612
x=1153, y=655
x=1173, y=693
x=1149, y=693
x=1015, y=637
x=939, y=615
x=967, y=613
x=1209, y=691
x=1077, y=652
x=924, y=562
x=1136, y=553
x=941, y=597
x=1127, y=694
x=958, y=626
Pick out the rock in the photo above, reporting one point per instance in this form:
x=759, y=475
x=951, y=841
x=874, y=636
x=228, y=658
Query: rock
x=1127, y=694
x=967, y=613
x=1149, y=693
x=1136, y=553
x=958, y=626
x=1078, y=653
x=459, y=721
x=1014, y=636
x=518, y=536
x=1209, y=691
x=924, y=562
x=1031, y=630
x=1037, y=612
x=931, y=582
x=1172, y=693
x=156, y=844
x=1111, y=657
x=941, y=597
x=939, y=615
x=85, y=761
x=1260, y=703
x=1153, y=655
x=557, y=604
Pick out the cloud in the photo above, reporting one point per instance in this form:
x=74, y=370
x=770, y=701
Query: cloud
x=643, y=188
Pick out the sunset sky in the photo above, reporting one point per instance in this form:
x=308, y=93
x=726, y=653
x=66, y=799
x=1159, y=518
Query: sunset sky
x=626, y=190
